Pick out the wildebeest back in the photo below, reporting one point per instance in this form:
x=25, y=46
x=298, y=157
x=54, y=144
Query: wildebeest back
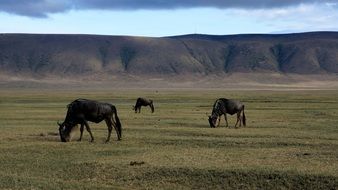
x=232, y=106
x=89, y=110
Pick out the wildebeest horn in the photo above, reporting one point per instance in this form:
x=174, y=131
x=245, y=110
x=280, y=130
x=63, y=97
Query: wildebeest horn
x=59, y=123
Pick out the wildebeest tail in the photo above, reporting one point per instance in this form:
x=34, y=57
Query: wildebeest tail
x=244, y=119
x=118, y=123
x=152, y=106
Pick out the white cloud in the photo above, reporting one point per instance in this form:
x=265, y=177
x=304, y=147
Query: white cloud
x=304, y=17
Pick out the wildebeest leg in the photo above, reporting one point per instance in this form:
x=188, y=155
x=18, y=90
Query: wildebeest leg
x=238, y=119
x=89, y=131
x=110, y=128
x=226, y=120
x=81, y=132
x=219, y=121
x=139, y=109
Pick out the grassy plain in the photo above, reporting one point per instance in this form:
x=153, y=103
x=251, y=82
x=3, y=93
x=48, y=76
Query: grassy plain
x=290, y=142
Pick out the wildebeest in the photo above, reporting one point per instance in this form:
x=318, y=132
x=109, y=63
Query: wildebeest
x=81, y=111
x=143, y=102
x=222, y=106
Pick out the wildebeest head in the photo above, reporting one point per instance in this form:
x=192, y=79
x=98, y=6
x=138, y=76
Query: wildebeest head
x=64, y=132
x=212, y=121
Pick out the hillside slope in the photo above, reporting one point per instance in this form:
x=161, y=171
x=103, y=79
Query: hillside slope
x=76, y=55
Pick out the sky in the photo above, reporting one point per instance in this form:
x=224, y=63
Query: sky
x=157, y=18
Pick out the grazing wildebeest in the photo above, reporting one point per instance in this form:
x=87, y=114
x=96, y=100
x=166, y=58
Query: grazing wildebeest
x=81, y=111
x=223, y=106
x=143, y=102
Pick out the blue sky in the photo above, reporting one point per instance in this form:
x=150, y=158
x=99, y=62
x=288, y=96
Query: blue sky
x=166, y=18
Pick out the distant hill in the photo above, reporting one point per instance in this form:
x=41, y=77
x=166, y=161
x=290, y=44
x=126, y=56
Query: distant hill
x=75, y=55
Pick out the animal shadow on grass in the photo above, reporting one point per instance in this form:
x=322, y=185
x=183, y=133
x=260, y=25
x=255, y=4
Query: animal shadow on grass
x=136, y=163
x=45, y=136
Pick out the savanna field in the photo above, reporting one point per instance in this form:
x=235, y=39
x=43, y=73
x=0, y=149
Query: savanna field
x=290, y=142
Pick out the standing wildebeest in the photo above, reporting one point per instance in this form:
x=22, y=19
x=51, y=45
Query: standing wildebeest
x=81, y=110
x=224, y=106
x=143, y=102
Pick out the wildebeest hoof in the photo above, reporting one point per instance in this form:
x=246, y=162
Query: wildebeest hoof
x=79, y=140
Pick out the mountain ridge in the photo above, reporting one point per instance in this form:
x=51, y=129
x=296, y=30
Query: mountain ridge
x=69, y=55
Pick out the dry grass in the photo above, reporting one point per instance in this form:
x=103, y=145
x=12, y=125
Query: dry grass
x=290, y=142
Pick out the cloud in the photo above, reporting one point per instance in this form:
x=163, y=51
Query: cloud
x=41, y=8
x=304, y=17
x=34, y=8
x=174, y=4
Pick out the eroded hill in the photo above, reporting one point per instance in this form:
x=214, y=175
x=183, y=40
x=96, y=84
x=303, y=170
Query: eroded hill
x=75, y=55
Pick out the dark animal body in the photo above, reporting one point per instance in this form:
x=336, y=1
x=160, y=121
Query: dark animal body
x=223, y=106
x=81, y=111
x=143, y=102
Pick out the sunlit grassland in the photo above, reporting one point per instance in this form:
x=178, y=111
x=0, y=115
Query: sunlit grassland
x=291, y=141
